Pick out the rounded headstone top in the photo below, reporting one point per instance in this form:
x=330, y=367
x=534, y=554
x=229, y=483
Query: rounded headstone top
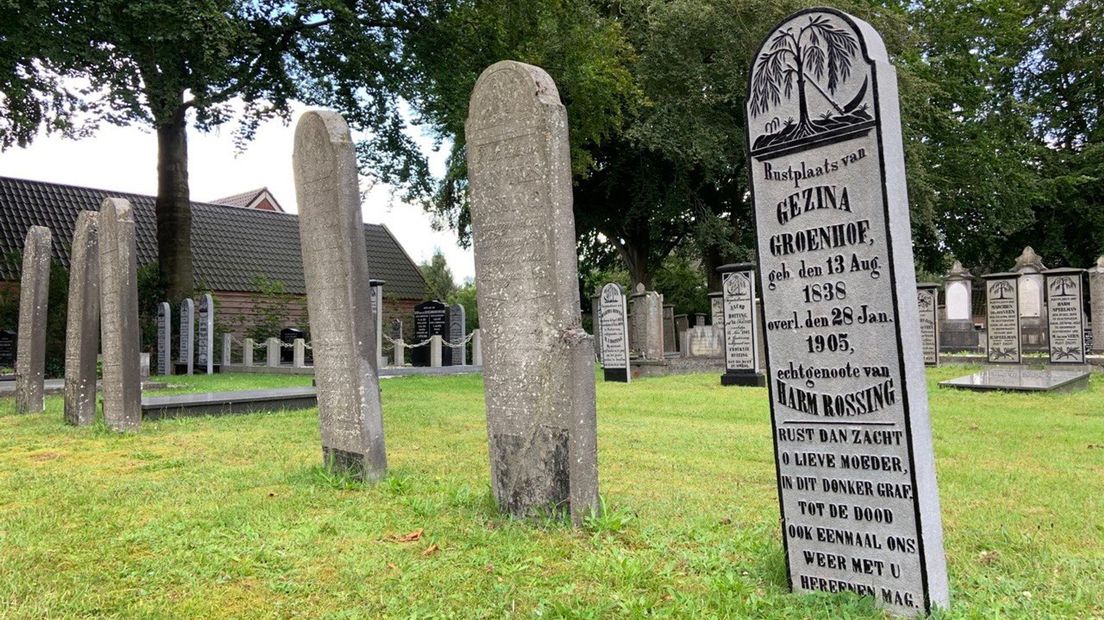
x=322, y=143
x=1100, y=263
x=501, y=90
x=640, y=288
x=1029, y=261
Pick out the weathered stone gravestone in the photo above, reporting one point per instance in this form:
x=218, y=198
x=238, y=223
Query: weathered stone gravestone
x=376, y=287
x=1066, y=329
x=614, y=332
x=853, y=445
x=458, y=332
x=738, y=322
x=34, y=290
x=927, y=301
x=669, y=345
x=205, y=335
x=431, y=318
x=1096, y=295
x=164, y=339
x=335, y=268
x=1032, y=293
x=716, y=308
x=539, y=363
x=82, y=325
x=187, y=335
x=119, y=332
x=1002, y=321
x=647, y=317
x=957, y=331
x=682, y=326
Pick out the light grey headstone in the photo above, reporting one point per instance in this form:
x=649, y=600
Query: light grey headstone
x=187, y=335
x=1065, y=315
x=82, y=325
x=738, y=325
x=205, y=335
x=331, y=230
x=1096, y=296
x=34, y=291
x=247, y=352
x=377, y=317
x=647, y=317
x=927, y=301
x=716, y=308
x=845, y=364
x=539, y=388
x=614, y=332
x=164, y=339
x=458, y=331
x=958, y=294
x=1030, y=267
x=1002, y=320
x=119, y=332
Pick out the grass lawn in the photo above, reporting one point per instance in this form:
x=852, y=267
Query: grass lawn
x=233, y=517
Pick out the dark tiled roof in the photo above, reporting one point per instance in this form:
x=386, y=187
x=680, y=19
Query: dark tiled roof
x=230, y=245
x=239, y=200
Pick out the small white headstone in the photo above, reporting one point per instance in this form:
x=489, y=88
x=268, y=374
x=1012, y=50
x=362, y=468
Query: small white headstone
x=614, y=332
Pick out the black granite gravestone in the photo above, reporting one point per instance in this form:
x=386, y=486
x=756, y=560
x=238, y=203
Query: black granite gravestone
x=431, y=318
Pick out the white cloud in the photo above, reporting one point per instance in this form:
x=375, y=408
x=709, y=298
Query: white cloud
x=125, y=159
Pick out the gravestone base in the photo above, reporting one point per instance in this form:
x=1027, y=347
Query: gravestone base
x=958, y=335
x=745, y=379
x=649, y=368
x=1022, y=379
x=616, y=374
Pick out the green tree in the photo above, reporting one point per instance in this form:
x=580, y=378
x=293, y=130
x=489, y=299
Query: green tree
x=171, y=65
x=438, y=277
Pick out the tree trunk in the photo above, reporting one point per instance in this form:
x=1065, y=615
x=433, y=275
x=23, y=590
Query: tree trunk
x=636, y=259
x=174, y=208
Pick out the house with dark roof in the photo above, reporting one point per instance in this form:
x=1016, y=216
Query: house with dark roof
x=236, y=248
x=260, y=199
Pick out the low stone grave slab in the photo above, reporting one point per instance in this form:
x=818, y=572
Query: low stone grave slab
x=223, y=403
x=1020, y=379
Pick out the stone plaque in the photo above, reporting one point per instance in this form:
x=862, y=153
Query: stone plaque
x=7, y=348
x=1002, y=322
x=205, y=335
x=164, y=339
x=335, y=268
x=1065, y=315
x=853, y=446
x=187, y=334
x=613, y=323
x=927, y=300
x=716, y=308
x=958, y=301
x=538, y=362
x=1031, y=295
x=431, y=318
x=458, y=329
x=738, y=322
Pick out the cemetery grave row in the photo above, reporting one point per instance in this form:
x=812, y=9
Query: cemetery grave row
x=839, y=331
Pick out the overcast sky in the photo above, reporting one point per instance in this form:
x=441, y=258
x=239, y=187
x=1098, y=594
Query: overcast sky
x=125, y=159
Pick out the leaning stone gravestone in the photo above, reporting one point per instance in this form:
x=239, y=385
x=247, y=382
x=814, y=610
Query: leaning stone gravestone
x=431, y=318
x=82, y=325
x=1066, y=315
x=187, y=334
x=1096, y=296
x=335, y=267
x=34, y=290
x=927, y=301
x=119, y=332
x=164, y=339
x=205, y=335
x=647, y=317
x=853, y=444
x=738, y=323
x=538, y=362
x=458, y=333
x=1002, y=318
x=614, y=331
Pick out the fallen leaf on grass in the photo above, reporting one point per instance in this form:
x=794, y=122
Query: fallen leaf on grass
x=391, y=565
x=411, y=537
x=430, y=550
x=988, y=557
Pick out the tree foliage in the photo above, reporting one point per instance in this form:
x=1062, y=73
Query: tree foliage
x=440, y=284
